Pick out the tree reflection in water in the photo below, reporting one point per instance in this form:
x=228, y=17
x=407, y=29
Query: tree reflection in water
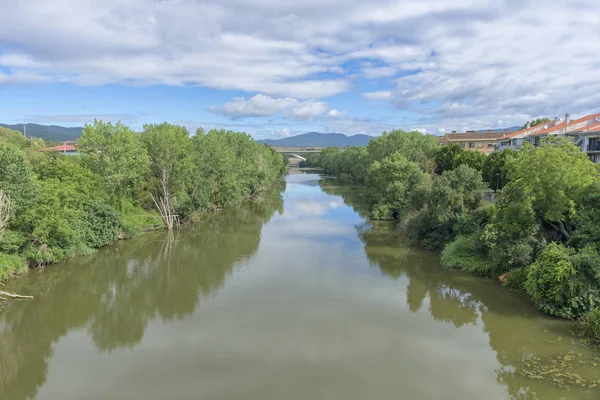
x=517, y=332
x=115, y=293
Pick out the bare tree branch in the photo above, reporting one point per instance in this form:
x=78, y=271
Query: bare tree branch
x=5, y=210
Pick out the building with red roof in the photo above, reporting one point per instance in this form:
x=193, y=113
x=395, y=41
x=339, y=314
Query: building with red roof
x=584, y=131
x=63, y=148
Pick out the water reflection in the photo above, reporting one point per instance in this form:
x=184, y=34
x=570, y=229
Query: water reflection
x=115, y=293
x=317, y=303
x=539, y=357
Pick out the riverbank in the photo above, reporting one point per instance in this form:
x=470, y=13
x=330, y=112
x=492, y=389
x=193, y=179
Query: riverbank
x=54, y=206
x=540, y=235
x=259, y=294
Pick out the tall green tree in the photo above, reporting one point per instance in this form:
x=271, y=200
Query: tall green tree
x=555, y=176
x=17, y=180
x=114, y=153
x=448, y=157
x=172, y=167
x=396, y=186
x=513, y=236
x=496, y=168
x=415, y=146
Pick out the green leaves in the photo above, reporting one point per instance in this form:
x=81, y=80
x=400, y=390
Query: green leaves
x=555, y=175
x=559, y=281
x=67, y=205
x=395, y=186
x=113, y=152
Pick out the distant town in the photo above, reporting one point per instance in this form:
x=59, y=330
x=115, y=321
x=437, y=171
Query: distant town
x=585, y=132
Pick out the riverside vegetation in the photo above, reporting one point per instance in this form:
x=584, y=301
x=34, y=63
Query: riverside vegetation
x=541, y=235
x=54, y=206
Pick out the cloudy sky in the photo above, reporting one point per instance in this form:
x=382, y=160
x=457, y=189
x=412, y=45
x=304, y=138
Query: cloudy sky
x=282, y=67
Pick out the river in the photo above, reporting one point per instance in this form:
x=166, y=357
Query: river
x=296, y=297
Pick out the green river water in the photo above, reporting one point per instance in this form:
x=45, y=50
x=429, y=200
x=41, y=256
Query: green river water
x=298, y=297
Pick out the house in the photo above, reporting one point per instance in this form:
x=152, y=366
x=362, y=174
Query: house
x=471, y=140
x=556, y=127
x=63, y=148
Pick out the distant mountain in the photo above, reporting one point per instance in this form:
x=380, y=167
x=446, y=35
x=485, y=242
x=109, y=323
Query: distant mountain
x=48, y=132
x=512, y=129
x=315, y=139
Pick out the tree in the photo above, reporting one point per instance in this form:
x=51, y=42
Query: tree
x=473, y=159
x=555, y=175
x=535, y=122
x=171, y=167
x=564, y=282
x=448, y=157
x=395, y=186
x=513, y=235
x=17, y=179
x=495, y=168
x=415, y=146
x=586, y=220
x=453, y=155
x=113, y=152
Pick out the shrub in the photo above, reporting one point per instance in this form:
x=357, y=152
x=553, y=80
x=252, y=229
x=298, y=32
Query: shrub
x=516, y=278
x=102, y=224
x=563, y=282
x=513, y=236
x=465, y=253
x=9, y=265
x=11, y=241
x=469, y=223
x=592, y=318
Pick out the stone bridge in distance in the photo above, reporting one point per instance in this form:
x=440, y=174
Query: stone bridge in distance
x=297, y=152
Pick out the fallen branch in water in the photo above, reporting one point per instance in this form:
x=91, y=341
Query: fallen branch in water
x=7, y=295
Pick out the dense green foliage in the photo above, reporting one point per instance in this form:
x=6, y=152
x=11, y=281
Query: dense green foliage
x=453, y=155
x=535, y=122
x=541, y=234
x=592, y=319
x=496, y=167
x=66, y=205
x=16, y=138
x=565, y=282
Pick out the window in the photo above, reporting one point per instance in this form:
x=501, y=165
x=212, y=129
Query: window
x=471, y=145
x=480, y=144
x=490, y=144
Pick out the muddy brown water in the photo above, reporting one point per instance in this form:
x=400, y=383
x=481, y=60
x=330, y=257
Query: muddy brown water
x=298, y=297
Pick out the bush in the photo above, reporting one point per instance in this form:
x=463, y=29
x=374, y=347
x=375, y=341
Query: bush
x=592, y=318
x=11, y=242
x=101, y=224
x=516, y=278
x=475, y=221
x=10, y=265
x=465, y=253
x=513, y=235
x=563, y=282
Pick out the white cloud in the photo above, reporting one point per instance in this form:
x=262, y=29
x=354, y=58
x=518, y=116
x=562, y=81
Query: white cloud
x=378, y=72
x=307, y=110
x=285, y=132
x=257, y=106
x=261, y=106
x=464, y=63
x=378, y=95
x=337, y=114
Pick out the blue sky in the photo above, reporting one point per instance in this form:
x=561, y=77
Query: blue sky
x=275, y=68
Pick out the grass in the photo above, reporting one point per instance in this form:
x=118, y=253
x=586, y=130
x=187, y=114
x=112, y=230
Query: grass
x=10, y=265
x=462, y=254
x=592, y=318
